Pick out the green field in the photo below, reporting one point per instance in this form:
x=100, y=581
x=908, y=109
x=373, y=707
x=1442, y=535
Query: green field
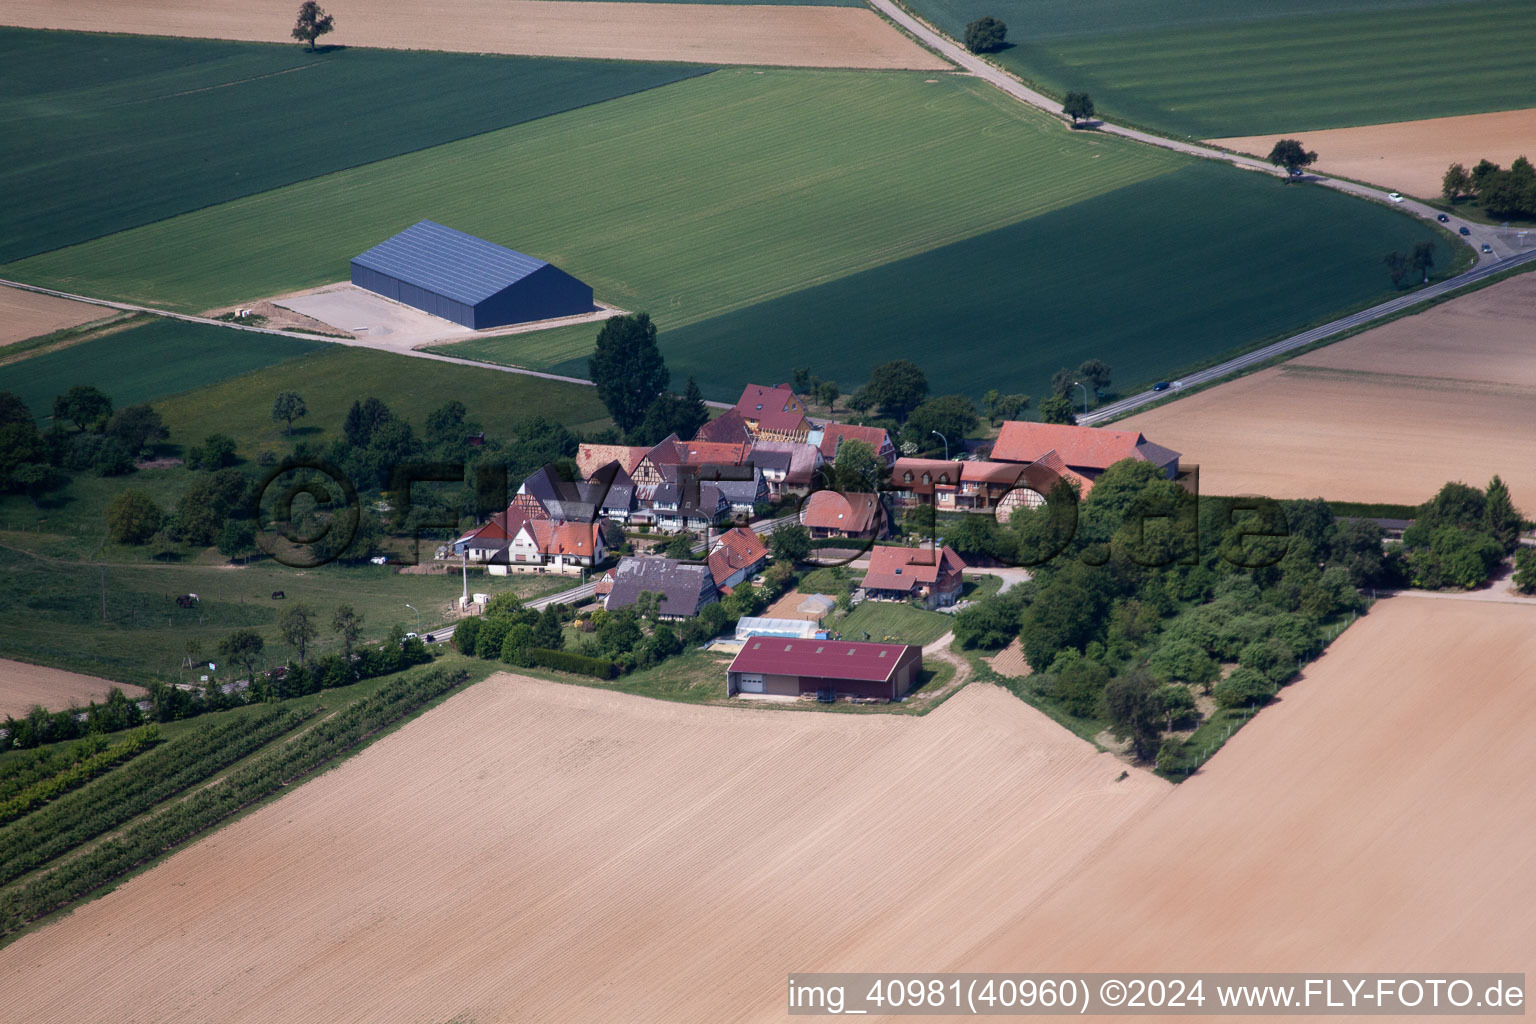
x=1216, y=68
x=1155, y=278
x=144, y=363
x=178, y=124
x=881, y=619
x=687, y=201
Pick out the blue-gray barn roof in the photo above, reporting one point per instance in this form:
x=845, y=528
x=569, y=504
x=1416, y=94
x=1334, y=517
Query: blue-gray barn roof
x=449, y=263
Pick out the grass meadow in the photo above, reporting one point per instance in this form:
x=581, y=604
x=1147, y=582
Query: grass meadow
x=143, y=633
x=881, y=619
x=178, y=124
x=148, y=362
x=1211, y=68
x=1155, y=278
x=687, y=201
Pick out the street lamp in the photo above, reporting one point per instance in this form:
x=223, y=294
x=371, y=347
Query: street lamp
x=418, y=616
x=1080, y=384
x=946, y=443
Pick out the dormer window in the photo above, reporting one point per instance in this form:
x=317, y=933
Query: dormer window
x=907, y=476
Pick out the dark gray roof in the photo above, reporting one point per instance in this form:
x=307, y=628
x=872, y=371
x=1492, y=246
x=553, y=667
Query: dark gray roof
x=684, y=587
x=449, y=263
x=739, y=492
x=1157, y=454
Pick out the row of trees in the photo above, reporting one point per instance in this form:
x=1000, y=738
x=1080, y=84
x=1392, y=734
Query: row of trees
x=1417, y=263
x=1500, y=192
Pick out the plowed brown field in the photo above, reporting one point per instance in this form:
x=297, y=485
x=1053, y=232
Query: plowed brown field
x=1379, y=818
x=1388, y=415
x=532, y=851
x=25, y=314
x=1410, y=156
x=833, y=37
x=23, y=685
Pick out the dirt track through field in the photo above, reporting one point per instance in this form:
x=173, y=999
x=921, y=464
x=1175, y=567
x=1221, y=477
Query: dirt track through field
x=836, y=37
x=1380, y=817
x=1410, y=156
x=25, y=314
x=1388, y=415
x=22, y=686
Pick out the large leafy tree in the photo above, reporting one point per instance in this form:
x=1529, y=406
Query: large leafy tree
x=299, y=629
x=628, y=368
x=133, y=517
x=83, y=405
x=1292, y=155
x=1500, y=518
x=896, y=387
x=985, y=35
x=312, y=23
x=1078, y=106
x=287, y=407
x=347, y=624
x=952, y=416
x=682, y=415
x=244, y=648
x=137, y=427
x=1057, y=409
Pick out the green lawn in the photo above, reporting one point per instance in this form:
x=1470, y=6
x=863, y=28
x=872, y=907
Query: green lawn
x=1212, y=69
x=881, y=619
x=331, y=378
x=162, y=357
x=686, y=201
x=178, y=124
x=61, y=603
x=1155, y=278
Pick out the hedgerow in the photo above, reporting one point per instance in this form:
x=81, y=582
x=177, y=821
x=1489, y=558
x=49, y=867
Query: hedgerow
x=78, y=774
x=565, y=661
x=110, y=801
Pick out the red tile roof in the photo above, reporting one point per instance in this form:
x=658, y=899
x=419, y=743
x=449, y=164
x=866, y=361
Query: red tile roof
x=734, y=550
x=776, y=409
x=1079, y=447
x=728, y=426
x=897, y=568
x=935, y=468
x=716, y=453
x=823, y=659
x=564, y=538
x=990, y=472
x=592, y=457
x=849, y=513
x=836, y=433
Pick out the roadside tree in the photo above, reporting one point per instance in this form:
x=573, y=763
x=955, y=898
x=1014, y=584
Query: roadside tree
x=986, y=34
x=1292, y=155
x=1078, y=106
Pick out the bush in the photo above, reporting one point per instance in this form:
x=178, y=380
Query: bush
x=133, y=517
x=985, y=35
x=1183, y=659
x=1245, y=687
x=566, y=661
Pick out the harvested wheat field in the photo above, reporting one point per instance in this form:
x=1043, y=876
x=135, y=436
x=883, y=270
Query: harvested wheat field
x=25, y=314
x=1389, y=415
x=23, y=686
x=1410, y=156
x=832, y=37
x=533, y=851
x=1380, y=817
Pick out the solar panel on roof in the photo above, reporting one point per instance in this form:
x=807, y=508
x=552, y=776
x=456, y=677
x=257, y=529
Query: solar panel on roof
x=450, y=263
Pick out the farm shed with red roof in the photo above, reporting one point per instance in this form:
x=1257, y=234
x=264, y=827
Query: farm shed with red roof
x=788, y=667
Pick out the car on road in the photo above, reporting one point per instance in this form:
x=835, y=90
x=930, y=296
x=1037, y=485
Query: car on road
x=1396, y=197
x=1443, y=219
x=1466, y=230
x=1161, y=385
x=1487, y=247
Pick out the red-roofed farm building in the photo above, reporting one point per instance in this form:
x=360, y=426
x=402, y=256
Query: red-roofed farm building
x=788, y=668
